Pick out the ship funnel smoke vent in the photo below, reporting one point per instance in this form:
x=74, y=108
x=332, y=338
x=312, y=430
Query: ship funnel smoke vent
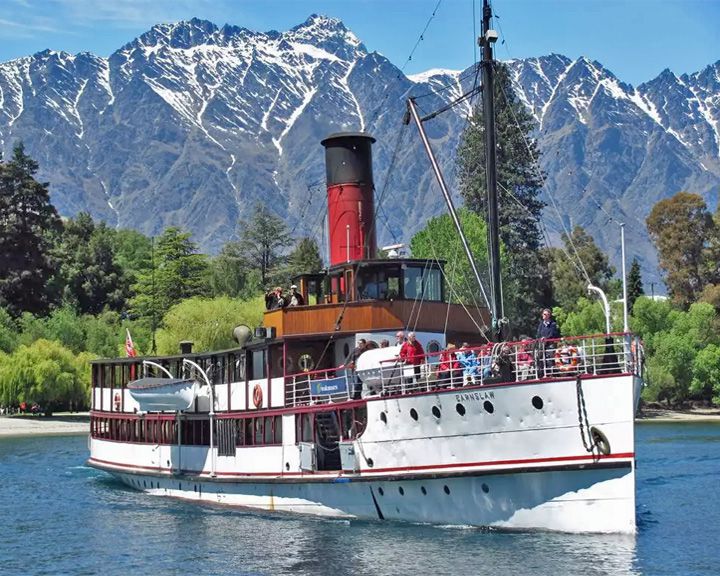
x=348, y=165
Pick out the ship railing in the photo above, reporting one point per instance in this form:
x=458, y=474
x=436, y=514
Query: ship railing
x=526, y=360
x=319, y=387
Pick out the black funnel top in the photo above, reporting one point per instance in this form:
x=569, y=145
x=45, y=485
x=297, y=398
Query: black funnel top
x=348, y=158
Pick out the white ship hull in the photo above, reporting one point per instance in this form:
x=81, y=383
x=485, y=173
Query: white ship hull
x=502, y=463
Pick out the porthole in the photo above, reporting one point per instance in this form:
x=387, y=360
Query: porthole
x=383, y=417
x=381, y=491
x=460, y=409
x=436, y=412
x=179, y=485
x=423, y=490
x=446, y=489
x=413, y=414
x=433, y=346
x=489, y=408
x=370, y=463
x=401, y=490
x=485, y=488
x=195, y=488
x=287, y=465
x=537, y=402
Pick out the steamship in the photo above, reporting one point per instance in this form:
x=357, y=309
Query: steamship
x=283, y=422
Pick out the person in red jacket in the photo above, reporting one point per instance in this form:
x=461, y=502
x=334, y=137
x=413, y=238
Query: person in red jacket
x=448, y=366
x=412, y=353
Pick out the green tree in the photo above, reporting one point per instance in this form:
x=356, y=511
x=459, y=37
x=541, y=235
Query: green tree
x=568, y=280
x=133, y=252
x=28, y=226
x=92, y=277
x=439, y=241
x=8, y=332
x=208, y=323
x=519, y=204
x=681, y=252
x=634, y=284
x=47, y=373
x=179, y=272
x=706, y=373
x=304, y=259
x=263, y=240
x=588, y=317
x=231, y=275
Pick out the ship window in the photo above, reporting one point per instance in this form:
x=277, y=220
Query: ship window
x=258, y=364
x=277, y=430
x=258, y=431
x=421, y=283
x=268, y=430
x=237, y=367
x=307, y=431
x=248, y=431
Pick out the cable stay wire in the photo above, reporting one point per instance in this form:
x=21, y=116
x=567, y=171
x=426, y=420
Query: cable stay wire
x=401, y=73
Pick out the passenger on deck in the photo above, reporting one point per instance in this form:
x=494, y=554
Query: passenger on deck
x=384, y=343
x=399, y=338
x=469, y=363
x=412, y=353
x=296, y=299
x=351, y=363
x=523, y=361
x=449, y=368
x=503, y=364
x=547, y=329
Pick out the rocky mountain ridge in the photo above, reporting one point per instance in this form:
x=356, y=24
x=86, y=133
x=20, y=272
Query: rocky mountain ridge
x=191, y=125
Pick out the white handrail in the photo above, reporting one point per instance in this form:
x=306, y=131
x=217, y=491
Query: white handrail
x=211, y=414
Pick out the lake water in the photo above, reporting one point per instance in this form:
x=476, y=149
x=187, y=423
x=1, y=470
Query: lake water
x=60, y=517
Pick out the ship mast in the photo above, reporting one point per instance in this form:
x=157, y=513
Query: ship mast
x=486, y=41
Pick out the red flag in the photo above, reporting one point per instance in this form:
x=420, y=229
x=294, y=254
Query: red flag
x=129, y=346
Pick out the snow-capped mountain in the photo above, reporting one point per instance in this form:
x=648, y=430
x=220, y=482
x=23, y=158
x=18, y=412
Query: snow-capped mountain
x=191, y=125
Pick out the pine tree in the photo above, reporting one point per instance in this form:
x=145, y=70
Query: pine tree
x=519, y=206
x=29, y=225
x=263, y=240
x=568, y=282
x=93, y=279
x=178, y=272
x=634, y=284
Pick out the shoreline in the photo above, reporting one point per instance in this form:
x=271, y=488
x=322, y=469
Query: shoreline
x=61, y=424
x=75, y=424
x=669, y=415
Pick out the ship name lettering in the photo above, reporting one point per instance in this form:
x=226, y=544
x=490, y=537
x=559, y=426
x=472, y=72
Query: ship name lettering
x=477, y=396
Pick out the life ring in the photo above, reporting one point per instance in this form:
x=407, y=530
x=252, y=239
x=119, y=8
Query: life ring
x=257, y=396
x=306, y=363
x=117, y=401
x=566, y=358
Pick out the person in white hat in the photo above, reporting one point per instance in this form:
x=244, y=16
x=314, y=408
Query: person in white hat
x=296, y=299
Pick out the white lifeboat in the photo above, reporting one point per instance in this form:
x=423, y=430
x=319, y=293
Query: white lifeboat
x=164, y=394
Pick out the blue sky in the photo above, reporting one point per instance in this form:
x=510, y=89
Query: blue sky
x=635, y=39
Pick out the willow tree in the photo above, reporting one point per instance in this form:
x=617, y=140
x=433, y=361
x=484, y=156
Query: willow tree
x=519, y=185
